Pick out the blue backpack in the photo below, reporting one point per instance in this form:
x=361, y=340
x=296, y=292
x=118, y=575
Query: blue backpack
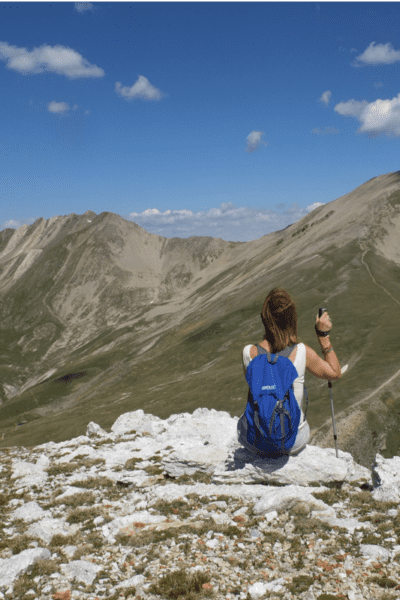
x=272, y=412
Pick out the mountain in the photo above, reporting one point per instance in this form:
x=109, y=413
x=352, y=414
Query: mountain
x=98, y=317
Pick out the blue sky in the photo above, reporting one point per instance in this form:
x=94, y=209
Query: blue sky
x=227, y=119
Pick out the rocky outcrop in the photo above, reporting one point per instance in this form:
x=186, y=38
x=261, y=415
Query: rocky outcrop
x=108, y=513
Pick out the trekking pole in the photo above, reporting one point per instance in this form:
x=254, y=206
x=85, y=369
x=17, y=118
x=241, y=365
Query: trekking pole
x=321, y=312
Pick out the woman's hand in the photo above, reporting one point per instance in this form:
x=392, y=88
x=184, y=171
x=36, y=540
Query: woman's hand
x=324, y=323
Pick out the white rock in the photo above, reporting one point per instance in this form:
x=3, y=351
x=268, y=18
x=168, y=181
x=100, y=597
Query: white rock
x=47, y=528
x=84, y=449
x=80, y=570
x=257, y=590
x=69, y=551
x=30, y=474
x=285, y=498
x=276, y=585
x=349, y=523
x=138, y=421
x=221, y=518
x=271, y=515
x=11, y=568
x=375, y=552
x=354, y=595
x=312, y=465
x=30, y=512
x=386, y=478
x=94, y=430
x=133, y=581
x=136, y=517
x=118, y=454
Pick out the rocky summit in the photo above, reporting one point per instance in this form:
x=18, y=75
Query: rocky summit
x=177, y=508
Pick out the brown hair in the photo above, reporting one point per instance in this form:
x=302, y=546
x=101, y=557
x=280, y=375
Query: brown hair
x=279, y=317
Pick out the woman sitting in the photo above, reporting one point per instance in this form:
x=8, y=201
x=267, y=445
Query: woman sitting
x=279, y=318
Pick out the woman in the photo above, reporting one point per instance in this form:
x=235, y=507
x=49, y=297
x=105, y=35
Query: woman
x=279, y=318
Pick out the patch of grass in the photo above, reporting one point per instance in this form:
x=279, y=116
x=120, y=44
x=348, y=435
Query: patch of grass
x=77, y=499
x=275, y=536
x=145, y=538
x=330, y=496
x=80, y=457
x=63, y=469
x=92, y=462
x=95, y=540
x=383, y=582
x=306, y=526
x=80, y=515
x=300, y=583
x=153, y=470
x=156, y=458
x=365, y=503
x=180, y=584
x=95, y=482
x=16, y=544
x=198, y=477
x=99, y=443
x=225, y=498
x=128, y=592
x=197, y=498
x=370, y=538
x=176, y=507
x=59, y=541
x=130, y=464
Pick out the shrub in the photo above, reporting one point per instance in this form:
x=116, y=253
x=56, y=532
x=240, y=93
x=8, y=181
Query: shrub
x=180, y=583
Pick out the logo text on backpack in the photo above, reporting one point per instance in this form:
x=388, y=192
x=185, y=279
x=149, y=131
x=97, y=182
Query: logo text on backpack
x=268, y=387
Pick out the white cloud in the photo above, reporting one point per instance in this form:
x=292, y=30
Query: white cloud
x=378, y=84
x=378, y=54
x=54, y=59
x=381, y=116
x=326, y=97
x=254, y=140
x=231, y=223
x=57, y=107
x=314, y=206
x=142, y=89
x=325, y=130
x=352, y=108
x=83, y=6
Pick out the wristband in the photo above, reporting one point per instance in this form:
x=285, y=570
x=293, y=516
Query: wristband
x=322, y=333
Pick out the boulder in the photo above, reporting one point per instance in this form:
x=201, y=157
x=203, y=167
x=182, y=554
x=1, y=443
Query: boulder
x=11, y=568
x=30, y=474
x=46, y=528
x=286, y=498
x=374, y=552
x=138, y=422
x=313, y=465
x=386, y=478
x=30, y=512
x=81, y=570
x=93, y=430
